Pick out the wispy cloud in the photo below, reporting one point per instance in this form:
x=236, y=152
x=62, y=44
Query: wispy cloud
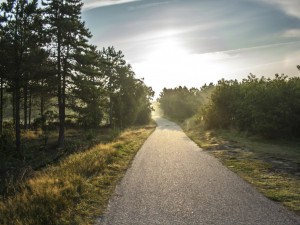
x=260, y=47
x=290, y=7
x=149, y=5
x=90, y=4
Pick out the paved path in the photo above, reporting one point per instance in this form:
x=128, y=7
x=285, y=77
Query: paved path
x=172, y=181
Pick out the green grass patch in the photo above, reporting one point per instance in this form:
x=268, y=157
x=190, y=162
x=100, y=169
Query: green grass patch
x=77, y=189
x=272, y=167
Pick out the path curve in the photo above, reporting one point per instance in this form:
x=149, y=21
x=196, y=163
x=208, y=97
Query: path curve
x=172, y=181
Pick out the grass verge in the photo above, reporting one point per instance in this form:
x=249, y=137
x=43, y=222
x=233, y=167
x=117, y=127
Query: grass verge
x=77, y=189
x=39, y=151
x=272, y=167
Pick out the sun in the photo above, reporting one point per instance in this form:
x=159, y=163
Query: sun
x=171, y=58
x=170, y=62
x=167, y=55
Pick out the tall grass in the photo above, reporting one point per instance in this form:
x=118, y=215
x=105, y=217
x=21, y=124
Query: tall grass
x=76, y=190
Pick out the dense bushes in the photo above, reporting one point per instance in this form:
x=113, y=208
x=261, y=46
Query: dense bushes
x=268, y=107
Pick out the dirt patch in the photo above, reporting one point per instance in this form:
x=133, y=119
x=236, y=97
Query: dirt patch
x=279, y=165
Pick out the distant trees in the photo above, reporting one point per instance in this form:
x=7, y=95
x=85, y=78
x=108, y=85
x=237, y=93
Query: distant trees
x=44, y=52
x=181, y=103
x=131, y=99
x=268, y=107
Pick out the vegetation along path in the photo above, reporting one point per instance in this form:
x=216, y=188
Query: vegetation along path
x=172, y=181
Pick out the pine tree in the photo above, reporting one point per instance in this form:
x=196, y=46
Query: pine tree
x=88, y=91
x=68, y=36
x=111, y=59
x=3, y=63
x=19, y=20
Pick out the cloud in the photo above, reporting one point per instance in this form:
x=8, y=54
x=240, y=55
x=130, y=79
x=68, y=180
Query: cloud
x=145, y=6
x=90, y=4
x=290, y=7
x=261, y=47
x=292, y=33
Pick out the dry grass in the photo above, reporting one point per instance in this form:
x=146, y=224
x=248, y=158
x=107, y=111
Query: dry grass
x=31, y=134
x=77, y=189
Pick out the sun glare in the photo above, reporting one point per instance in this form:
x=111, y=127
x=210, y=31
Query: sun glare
x=171, y=62
x=168, y=52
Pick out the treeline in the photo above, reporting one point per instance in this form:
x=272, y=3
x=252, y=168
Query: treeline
x=181, y=103
x=45, y=57
x=266, y=107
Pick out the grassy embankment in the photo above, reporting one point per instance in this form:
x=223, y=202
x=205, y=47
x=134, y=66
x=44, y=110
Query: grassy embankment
x=77, y=188
x=271, y=166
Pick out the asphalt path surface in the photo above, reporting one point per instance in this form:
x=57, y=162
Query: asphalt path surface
x=172, y=181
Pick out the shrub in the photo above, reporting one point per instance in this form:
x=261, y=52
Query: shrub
x=267, y=107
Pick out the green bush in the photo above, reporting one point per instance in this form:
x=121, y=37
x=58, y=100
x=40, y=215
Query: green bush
x=268, y=107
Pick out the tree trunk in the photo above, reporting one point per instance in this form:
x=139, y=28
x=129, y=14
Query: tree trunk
x=64, y=75
x=18, y=58
x=29, y=109
x=64, y=97
x=42, y=113
x=43, y=119
x=25, y=106
x=110, y=111
x=18, y=125
x=59, y=96
x=14, y=107
x=110, y=105
x=1, y=109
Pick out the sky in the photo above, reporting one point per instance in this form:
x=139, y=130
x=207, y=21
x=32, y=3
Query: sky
x=192, y=42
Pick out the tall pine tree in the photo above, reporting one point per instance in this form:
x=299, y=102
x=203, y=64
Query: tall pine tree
x=68, y=36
